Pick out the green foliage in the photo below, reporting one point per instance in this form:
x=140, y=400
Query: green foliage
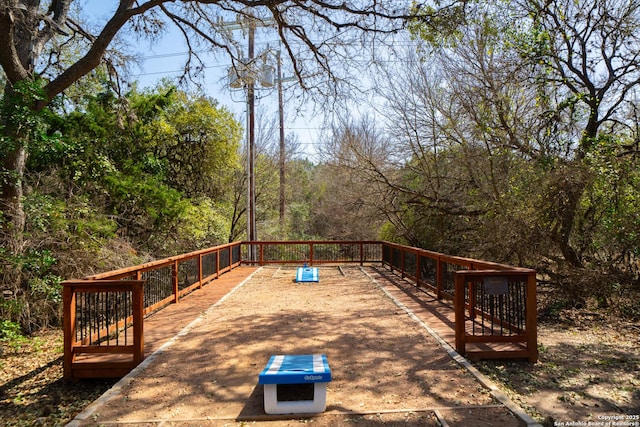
x=11, y=334
x=45, y=213
x=36, y=261
x=439, y=27
x=110, y=179
x=46, y=289
x=146, y=158
x=389, y=233
x=11, y=308
x=42, y=293
x=611, y=204
x=195, y=144
x=299, y=217
x=532, y=43
x=79, y=159
x=151, y=202
x=203, y=224
x=17, y=112
x=66, y=219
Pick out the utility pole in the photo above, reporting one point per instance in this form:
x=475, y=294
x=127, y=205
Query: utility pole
x=282, y=147
x=247, y=76
x=251, y=202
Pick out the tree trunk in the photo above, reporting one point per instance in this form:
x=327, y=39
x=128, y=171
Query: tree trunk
x=13, y=151
x=565, y=194
x=13, y=216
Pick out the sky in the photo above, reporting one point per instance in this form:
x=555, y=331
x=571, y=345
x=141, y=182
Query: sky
x=165, y=58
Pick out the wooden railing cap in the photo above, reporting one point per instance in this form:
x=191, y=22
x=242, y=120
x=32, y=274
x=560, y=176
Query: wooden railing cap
x=515, y=271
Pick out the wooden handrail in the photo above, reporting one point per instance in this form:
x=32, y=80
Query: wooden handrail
x=311, y=251
x=122, y=272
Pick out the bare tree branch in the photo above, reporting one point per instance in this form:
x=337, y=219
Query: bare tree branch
x=314, y=25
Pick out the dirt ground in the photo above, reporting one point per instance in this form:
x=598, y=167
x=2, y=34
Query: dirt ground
x=386, y=370
x=588, y=369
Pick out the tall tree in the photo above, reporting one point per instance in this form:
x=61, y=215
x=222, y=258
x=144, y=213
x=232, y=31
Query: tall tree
x=32, y=31
x=358, y=165
x=549, y=81
x=585, y=58
x=197, y=141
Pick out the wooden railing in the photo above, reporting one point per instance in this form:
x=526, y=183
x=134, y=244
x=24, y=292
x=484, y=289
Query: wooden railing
x=103, y=313
x=500, y=299
x=100, y=310
x=502, y=309
x=312, y=252
x=103, y=318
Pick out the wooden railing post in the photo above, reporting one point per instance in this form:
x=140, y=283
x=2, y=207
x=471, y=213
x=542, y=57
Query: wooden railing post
x=459, y=307
x=310, y=253
x=69, y=328
x=531, y=321
x=439, y=278
x=138, y=323
x=175, y=281
x=418, y=269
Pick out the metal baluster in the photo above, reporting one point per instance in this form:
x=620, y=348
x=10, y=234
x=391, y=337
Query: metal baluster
x=107, y=315
x=473, y=321
x=92, y=316
x=523, y=304
x=118, y=309
x=501, y=313
x=80, y=316
x=151, y=288
x=492, y=313
x=103, y=322
x=87, y=309
x=510, y=307
x=483, y=308
x=125, y=315
x=520, y=306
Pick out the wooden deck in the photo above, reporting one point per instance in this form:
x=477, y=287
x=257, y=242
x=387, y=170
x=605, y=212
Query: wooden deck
x=162, y=326
x=97, y=344
x=149, y=394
